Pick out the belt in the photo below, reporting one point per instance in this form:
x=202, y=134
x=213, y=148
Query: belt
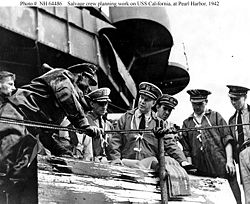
x=245, y=145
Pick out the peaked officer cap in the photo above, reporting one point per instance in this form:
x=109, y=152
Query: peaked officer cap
x=150, y=90
x=87, y=69
x=237, y=91
x=198, y=95
x=100, y=95
x=167, y=100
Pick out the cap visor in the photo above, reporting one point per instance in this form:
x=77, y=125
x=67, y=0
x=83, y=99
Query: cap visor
x=235, y=96
x=168, y=105
x=197, y=100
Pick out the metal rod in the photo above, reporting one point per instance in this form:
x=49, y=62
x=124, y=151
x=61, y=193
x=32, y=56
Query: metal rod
x=210, y=127
x=37, y=124
x=30, y=123
x=175, y=131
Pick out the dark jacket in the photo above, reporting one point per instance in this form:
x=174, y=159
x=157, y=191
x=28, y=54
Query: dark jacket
x=208, y=153
x=51, y=97
x=48, y=98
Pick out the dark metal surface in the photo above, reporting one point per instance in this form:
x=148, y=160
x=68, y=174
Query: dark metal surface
x=137, y=47
x=176, y=79
x=119, y=72
x=143, y=41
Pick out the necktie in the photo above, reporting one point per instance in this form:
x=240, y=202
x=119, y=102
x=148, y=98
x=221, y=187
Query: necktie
x=100, y=122
x=142, y=124
x=102, y=139
x=240, y=129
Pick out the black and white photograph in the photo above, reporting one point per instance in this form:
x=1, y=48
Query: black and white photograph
x=124, y=102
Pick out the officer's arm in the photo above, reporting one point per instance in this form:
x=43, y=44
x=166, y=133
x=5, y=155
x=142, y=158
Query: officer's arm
x=116, y=140
x=185, y=143
x=68, y=98
x=173, y=150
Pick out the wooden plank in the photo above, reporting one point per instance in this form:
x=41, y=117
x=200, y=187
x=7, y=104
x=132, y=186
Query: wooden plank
x=90, y=182
x=60, y=188
x=80, y=167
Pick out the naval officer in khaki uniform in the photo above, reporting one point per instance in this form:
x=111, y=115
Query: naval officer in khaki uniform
x=99, y=100
x=241, y=134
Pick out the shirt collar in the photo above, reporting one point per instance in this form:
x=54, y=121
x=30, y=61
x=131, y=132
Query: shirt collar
x=245, y=109
x=138, y=114
x=206, y=112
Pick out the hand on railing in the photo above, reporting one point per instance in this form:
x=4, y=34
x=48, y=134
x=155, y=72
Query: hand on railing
x=94, y=131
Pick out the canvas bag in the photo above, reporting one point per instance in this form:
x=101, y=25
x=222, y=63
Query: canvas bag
x=178, y=183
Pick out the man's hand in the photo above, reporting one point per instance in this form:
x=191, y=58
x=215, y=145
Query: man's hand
x=159, y=132
x=230, y=168
x=175, y=129
x=94, y=131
